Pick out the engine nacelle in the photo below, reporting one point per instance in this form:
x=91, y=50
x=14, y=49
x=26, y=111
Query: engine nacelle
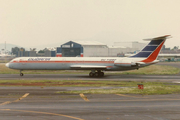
x=125, y=63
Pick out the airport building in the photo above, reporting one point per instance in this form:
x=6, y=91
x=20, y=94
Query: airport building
x=135, y=46
x=86, y=49
x=119, y=51
x=82, y=49
x=93, y=49
x=26, y=54
x=96, y=49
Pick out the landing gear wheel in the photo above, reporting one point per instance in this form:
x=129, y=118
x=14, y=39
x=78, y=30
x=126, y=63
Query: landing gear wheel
x=101, y=74
x=96, y=74
x=21, y=74
x=91, y=74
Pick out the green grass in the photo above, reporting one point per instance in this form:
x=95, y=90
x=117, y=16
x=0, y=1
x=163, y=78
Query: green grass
x=65, y=83
x=130, y=87
x=150, y=88
x=153, y=69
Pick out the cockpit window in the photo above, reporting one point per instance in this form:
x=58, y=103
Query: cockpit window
x=12, y=60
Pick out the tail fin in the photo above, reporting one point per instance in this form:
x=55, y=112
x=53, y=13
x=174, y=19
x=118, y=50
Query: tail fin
x=151, y=51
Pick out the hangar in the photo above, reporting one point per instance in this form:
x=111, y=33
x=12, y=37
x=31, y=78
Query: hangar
x=82, y=49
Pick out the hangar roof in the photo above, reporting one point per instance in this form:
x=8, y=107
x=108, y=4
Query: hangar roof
x=117, y=47
x=89, y=43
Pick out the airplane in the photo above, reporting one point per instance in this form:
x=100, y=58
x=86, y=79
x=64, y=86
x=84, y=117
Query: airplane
x=147, y=56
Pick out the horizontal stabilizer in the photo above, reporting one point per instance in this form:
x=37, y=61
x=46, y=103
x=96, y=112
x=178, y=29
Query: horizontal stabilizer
x=158, y=38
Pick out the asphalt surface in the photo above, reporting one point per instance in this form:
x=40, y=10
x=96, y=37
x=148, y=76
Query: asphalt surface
x=43, y=103
x=141, y=78
x=36, y=103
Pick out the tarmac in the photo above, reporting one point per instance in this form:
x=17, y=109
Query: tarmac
x=36, y=103
x=140, y=78
x=43, y=103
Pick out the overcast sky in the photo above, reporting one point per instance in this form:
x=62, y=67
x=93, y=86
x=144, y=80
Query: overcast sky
x=30, y=23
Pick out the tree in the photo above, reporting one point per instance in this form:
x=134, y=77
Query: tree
x=176, y=48
x=41, y=51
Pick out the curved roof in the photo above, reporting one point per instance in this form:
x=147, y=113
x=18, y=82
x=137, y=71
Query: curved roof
x=89, y=43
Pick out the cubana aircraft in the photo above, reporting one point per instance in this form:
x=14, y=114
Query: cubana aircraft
x=147, y=56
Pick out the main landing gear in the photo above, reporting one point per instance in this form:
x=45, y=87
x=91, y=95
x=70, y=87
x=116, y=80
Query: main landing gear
x=21, y=74
x=96, y=74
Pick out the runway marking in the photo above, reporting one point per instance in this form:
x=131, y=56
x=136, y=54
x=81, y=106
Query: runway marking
x=24, y=96
x=8, y=102
x=47, y=113
x=130, y=96
x=84, y=97
x=5, y=103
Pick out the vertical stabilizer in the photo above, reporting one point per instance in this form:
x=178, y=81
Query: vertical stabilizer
x=152, y=50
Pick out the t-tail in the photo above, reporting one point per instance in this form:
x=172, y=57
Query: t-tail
x=152, y=50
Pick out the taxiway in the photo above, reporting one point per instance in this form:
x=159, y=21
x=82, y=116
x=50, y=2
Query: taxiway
x=43, y=103
x=19, y=103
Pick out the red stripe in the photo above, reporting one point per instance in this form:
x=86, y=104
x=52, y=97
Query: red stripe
x=60, y=55
x=63, y=61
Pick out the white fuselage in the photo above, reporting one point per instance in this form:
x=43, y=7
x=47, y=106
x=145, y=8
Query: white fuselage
x=76, y=63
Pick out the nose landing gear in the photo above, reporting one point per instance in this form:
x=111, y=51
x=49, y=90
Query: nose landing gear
x=21, y=74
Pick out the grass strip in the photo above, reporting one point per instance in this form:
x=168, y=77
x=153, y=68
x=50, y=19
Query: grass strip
x=149, y=89
x=65, y=83
x=131, y=87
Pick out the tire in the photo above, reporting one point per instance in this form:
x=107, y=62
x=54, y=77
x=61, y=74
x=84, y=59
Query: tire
x=91, y=74
x=96, y=74
x=21, y=74
x=101, y=74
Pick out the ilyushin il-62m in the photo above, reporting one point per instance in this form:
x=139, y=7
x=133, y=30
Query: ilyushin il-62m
x=147, y=56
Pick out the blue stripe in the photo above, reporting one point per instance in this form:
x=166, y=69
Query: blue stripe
x=156, y=42
x=142, y=54
x=149, y=48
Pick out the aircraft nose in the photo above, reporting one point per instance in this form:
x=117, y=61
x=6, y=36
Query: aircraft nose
x=7, y=65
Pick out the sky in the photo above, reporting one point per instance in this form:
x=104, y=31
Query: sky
x=33, y=23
